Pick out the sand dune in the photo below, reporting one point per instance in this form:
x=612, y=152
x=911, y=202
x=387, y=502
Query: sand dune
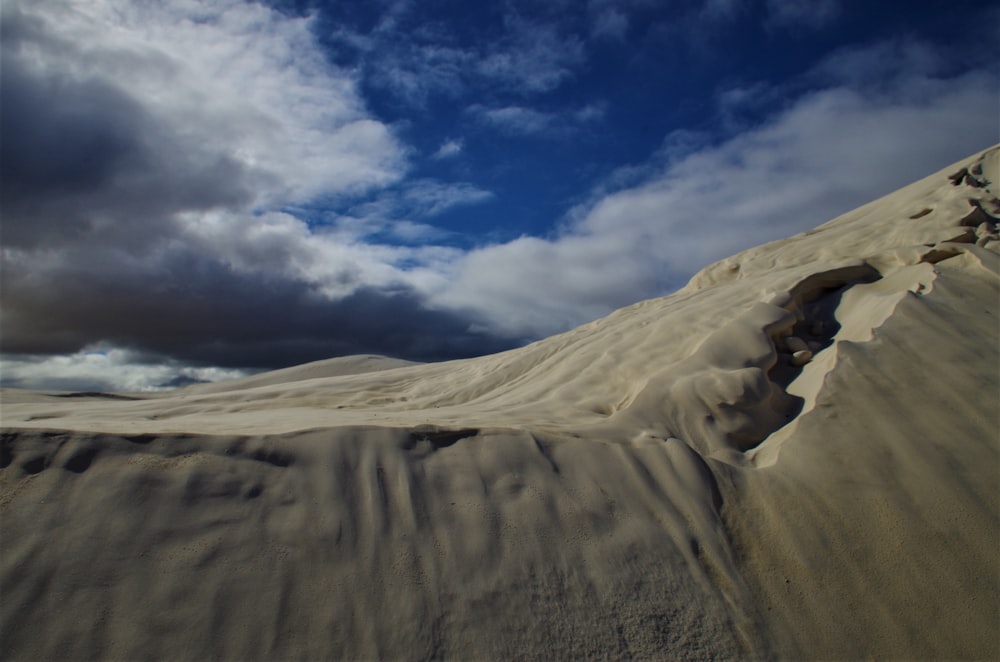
x=795, y=456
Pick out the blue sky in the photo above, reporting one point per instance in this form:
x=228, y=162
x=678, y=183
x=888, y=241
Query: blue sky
x=195, y=189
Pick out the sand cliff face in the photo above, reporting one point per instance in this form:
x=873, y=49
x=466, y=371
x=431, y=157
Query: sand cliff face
x=794, y=456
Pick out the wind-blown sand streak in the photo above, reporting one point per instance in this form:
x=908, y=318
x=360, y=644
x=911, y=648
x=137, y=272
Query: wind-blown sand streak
x=794, y=456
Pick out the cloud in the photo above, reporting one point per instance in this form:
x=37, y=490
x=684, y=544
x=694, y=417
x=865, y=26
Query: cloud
x=415, y=58
x=449, y=149
x=827, y=151
x=532, y=57
x=415, y=72
x=398, y=211
x=430, y=198
x=593, y=112
x=741, y=107
x=106, y=369
x=514, y=119
x=882, y=66
x=525, y=121
x=722, y=9
x=813, y=14
x=233, y=315
x=168, y=175
x=118, y=118
x=609, y=23
x=194, y=184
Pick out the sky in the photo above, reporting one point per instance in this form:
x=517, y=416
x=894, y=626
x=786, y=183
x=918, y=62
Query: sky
x=195, y=190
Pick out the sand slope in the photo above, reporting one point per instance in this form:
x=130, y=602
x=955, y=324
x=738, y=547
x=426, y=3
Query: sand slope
x=795, y=456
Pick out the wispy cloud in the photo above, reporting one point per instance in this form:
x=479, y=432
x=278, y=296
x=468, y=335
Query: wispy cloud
x=882, y=67
x=413, y=72
x=608, y=22
x=429, y=198
x=413, y=59
x=515, y=119
x=721, y=9
x=412, y=202
x=812, y=14
x=526, y=121
x=532, y=58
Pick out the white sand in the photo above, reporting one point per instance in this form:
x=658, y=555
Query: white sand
x=795, y=456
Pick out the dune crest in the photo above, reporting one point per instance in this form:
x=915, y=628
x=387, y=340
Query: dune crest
x=793, y=456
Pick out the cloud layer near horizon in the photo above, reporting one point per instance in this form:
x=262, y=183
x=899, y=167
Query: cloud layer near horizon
x=196, y=184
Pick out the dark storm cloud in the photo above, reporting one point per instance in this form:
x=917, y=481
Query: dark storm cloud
x=197, y=310
x=81, y=159
x=114, y=160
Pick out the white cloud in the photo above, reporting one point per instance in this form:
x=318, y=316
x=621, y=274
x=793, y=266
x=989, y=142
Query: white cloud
x=237, y=77
x=415, y=233
x=449, y=149
x=232, y=122
x=106, y=369
x=346, y=254
x=334, y=262
x=223, y=82
x=515, y=119
x=229, y=112
x=826, y=153
x=180, y=161
x=526, y=121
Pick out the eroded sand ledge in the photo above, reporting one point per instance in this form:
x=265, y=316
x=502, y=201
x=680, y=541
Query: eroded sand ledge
x=795, y=456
